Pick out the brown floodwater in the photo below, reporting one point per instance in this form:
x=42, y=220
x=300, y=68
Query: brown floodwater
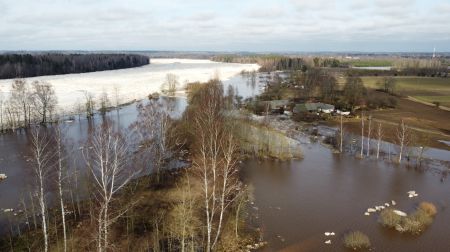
x=298, y=201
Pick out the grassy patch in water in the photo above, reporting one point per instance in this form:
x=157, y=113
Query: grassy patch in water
x=356, y=240
x=414, y=223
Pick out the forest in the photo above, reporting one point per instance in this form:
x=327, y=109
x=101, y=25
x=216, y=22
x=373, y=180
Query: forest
x=31, y=65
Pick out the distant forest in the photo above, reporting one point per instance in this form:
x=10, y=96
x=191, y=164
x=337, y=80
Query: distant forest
x=28, y=65
x=267, y=62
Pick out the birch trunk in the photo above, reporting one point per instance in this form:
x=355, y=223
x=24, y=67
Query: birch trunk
x=379, y=136
x=368, y=135
x=362, y=134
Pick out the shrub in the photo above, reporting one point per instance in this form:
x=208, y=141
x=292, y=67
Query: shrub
x=390, y=219
x=356, y=240
x=411, y=226
x=414, y=223
x=428, y=208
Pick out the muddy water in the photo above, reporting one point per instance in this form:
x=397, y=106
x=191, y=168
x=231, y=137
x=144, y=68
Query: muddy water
x=298, y=201
x=15, y=146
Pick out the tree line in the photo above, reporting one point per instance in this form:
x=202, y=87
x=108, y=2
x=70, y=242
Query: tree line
x=400, y=67
x=30, y=65
x=268, y=63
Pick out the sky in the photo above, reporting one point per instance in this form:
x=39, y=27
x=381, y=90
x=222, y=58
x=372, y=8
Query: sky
x=226, y=25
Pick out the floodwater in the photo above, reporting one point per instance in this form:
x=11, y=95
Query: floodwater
x=383, y=68
x=14, y=146
x=298, y=201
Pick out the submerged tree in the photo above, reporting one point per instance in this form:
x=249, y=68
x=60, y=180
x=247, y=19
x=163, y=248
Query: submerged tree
x=44, y=99
x=89, y=104
x=362, y=134
x=171, y=84
x=20, y=100
x=403, y=138
x=379, y=137
x=369, y=131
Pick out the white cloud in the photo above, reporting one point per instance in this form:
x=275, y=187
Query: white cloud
x=221, y=25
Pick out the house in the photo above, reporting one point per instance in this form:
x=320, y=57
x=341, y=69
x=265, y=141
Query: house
x=313, y=107
x=275, y=106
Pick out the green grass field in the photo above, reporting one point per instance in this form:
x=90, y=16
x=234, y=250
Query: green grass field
x=370, y=63
x=427, y=89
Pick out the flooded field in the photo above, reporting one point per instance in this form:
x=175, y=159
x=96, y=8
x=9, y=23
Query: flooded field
x=298, y=201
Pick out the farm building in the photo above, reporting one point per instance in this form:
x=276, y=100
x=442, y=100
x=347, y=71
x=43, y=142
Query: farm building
x=313, y=107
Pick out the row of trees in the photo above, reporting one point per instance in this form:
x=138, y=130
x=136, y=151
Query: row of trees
x=268, y=63
x=375, y=131
x=30, y=65
x=27, y=104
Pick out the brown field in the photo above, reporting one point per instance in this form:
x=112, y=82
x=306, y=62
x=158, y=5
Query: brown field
x=428, y=124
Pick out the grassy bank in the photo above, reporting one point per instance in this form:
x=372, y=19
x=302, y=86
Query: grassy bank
x=428, y=89
x=263, y=141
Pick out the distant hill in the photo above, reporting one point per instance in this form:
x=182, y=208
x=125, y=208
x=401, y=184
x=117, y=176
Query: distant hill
x=30, y=65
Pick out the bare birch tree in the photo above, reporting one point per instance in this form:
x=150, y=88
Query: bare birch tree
x=61, y=180
x=379, y=137
x=369, y=131
x=42, y=157
x=157, y=140
x=362, y=134
x=1, y=112
x=215, y=161
x=117, y=99
x=403, y=137
x=341, y=135
x=106, y=156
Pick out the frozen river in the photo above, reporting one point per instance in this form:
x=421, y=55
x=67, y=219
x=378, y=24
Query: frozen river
x=132, y=83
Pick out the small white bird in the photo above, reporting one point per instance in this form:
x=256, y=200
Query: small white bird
x=371, y=210
x=328, y=242
x=366, y=214
x=386, y=204
x=410, y=196
x=393, y=202
x=332, y=234
x=327, y=233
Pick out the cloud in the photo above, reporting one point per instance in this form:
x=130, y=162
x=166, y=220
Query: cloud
x=265, y=12
x=223, y=25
